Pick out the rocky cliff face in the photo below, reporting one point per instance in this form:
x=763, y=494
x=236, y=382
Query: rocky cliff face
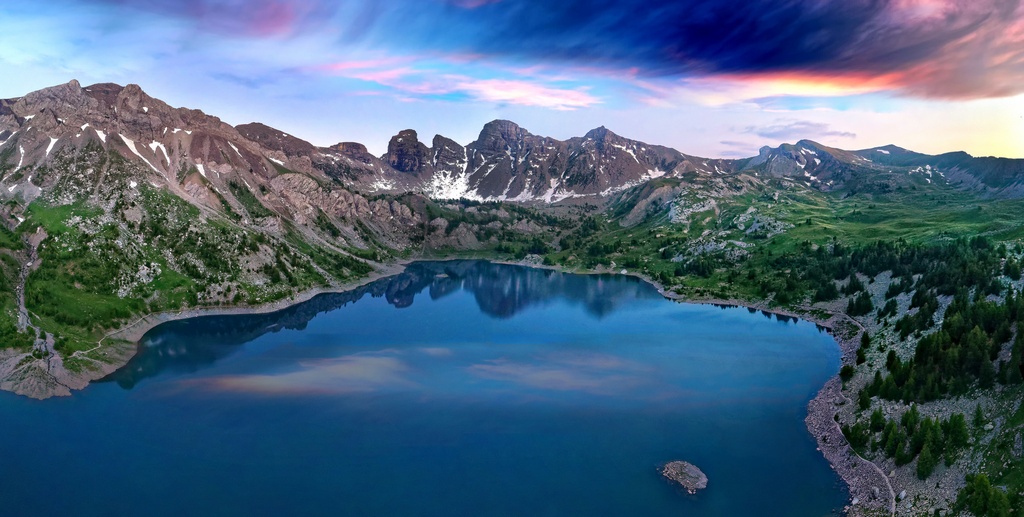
x=407, y=154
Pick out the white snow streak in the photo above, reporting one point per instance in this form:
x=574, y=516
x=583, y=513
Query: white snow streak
x=8, y=139
x=157, y=145
x=131, y=145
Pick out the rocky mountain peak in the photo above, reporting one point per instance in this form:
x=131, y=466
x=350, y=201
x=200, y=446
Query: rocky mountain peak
x=276, y=140
x=498, y=135
x=105, y=93
x=355, y=151
x=600, y=134
x=406, y=153
x=447, y=152
x=809, y=143
x=61, y=99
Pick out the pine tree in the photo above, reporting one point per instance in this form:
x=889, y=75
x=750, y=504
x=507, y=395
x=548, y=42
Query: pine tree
x=926, y=462
x=877, y=421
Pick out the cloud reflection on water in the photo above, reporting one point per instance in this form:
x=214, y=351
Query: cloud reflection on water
x=500, y=291
x=595, y=374
x=357, y=373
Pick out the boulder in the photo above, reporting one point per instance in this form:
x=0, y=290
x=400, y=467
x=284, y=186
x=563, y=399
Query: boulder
x=686, y=474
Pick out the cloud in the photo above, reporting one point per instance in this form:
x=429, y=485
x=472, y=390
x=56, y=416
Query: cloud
x=946, y=49
x=928, y=48
x=938, y=48
x=427, y=78
x=247, y=18
x=796, y=129
x=357, y=373
x=436, y=351
x=473, y=4
x=524, y=93
x=596, y=374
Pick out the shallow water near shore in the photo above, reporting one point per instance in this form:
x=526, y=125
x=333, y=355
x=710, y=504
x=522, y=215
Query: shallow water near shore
x=455, y=388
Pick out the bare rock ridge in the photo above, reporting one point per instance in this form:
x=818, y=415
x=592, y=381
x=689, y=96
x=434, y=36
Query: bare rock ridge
x=275, y=140
x=506, y=162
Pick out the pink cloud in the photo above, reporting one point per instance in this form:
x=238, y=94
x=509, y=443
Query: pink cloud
x=411, y=77
x=357, y=373
x=473, y=4
x=524, y=93
x=363, y=64
x=256, y=18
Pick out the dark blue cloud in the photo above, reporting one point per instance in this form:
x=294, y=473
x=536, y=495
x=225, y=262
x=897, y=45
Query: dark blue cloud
x=695, y=36
x=686, y=38
x=855, y=39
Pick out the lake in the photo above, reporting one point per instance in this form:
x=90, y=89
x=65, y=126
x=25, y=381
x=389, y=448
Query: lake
x=455, y=388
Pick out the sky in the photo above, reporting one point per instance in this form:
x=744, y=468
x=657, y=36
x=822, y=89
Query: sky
x=715, y=78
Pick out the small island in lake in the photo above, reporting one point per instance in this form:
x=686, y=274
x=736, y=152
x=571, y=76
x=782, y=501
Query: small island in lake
x=686, y=474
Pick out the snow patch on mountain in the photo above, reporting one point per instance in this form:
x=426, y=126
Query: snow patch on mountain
x=449, y=185
x=154, y=145
x=131, y=145
x=53, y=141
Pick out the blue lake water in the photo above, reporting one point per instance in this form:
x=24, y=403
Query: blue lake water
x=456, y=388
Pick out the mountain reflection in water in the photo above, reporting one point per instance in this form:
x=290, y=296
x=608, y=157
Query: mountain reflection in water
x=500, y=290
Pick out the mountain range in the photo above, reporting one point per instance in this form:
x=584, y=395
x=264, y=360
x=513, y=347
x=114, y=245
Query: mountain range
x=198, y=156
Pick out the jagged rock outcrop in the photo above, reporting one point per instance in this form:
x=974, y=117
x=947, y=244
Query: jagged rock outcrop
x=355, y=151
x=407, y=154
